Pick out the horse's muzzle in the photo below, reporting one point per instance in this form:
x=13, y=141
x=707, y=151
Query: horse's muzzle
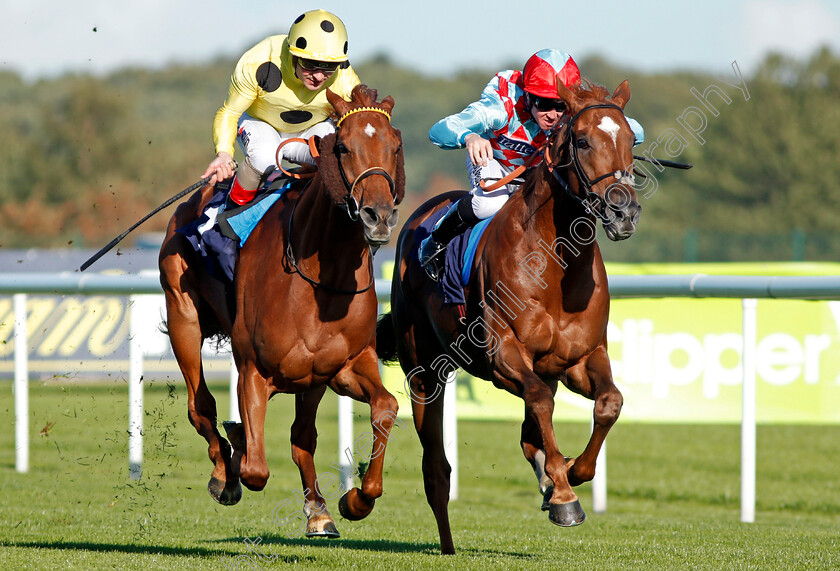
x=378, y=221
x=622, y=221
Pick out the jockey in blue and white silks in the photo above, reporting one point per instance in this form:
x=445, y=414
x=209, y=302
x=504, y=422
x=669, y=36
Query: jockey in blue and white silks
x=517, y=112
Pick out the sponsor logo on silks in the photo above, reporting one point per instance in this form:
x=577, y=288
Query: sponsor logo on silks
x=520, y=147
x=243, y=135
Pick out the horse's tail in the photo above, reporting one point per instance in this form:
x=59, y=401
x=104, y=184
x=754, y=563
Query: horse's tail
x=386, y=340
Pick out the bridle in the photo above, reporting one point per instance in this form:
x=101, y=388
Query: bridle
x=590, y=199
x=349, y=204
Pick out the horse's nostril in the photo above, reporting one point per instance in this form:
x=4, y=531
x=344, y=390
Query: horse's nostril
x=369, y=216
x=393, y=218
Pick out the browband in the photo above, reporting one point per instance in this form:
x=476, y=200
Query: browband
x=359, y=110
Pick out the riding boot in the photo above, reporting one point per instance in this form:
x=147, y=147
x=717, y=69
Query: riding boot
x=237, y=195
x=246, y=182
x=459, y=218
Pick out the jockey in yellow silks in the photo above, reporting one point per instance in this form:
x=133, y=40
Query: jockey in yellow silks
x=277, y=92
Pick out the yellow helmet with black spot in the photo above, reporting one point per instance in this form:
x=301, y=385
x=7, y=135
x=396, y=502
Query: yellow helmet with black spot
x=318, y=35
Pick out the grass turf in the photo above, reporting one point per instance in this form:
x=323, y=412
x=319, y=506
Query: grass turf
x=674, y=496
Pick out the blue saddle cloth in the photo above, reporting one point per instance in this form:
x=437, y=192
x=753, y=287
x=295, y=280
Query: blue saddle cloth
x=459, y=256
x=217, y=236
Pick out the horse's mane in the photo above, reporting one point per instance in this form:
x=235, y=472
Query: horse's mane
x=361, y=96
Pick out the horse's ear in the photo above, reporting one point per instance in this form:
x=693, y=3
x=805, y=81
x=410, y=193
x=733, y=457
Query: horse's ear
x=387, y=103
x=566, y=94
x=337, y=101
x=622, y=94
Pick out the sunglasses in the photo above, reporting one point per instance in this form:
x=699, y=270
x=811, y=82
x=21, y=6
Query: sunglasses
x=545, y=104
x=315, y=65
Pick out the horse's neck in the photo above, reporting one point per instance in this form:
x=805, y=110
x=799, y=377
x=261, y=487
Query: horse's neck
x=551, y=217
x=322, y=229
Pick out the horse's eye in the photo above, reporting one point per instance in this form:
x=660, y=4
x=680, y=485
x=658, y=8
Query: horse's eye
x=341, y=148
x=582, y=144
x=399, y=148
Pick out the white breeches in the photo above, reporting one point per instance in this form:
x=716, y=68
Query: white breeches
x=259, y=141
x=487, y=203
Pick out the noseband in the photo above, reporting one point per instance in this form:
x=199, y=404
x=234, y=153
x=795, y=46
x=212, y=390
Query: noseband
x=349, y=202
x=585, y=181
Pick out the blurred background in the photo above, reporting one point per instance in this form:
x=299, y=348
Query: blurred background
x=106, y=110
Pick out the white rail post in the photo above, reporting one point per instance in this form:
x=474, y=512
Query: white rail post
x=599, y=482
x=450, y=432
x=234, y=396
x=748, y=412
x=135, y=392
x=21, y=386
x=345, y=441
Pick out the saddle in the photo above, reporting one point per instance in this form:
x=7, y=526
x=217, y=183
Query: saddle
x=458, y=258
x=218, y=234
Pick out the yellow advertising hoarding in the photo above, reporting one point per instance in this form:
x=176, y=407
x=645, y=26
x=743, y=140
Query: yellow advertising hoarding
x=679, y=360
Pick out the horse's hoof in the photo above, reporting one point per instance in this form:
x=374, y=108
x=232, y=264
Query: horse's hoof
x=226, y=493
x=353, y=507
x=566, y=515
x=327, y=530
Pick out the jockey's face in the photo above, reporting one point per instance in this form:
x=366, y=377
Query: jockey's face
x=547, y=120
x=312, y=79
x=547, y=112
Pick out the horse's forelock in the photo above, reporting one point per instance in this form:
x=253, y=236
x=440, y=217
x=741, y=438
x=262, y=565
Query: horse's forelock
x=588, y=90
x=363, y=95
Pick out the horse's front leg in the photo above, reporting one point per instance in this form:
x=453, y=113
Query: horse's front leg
x=564, y=506
x=249, y=446
x=304, y=437
x=593, y=378
x=360, y=380
x=532, y=447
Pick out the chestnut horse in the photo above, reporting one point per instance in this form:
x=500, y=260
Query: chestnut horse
x=304, y=312
x=537, y=302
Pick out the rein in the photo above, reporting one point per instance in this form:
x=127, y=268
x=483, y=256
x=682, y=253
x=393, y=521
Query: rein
x=512, y=175
x=313, y=150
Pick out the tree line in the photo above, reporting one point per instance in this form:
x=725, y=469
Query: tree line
x=88, y=156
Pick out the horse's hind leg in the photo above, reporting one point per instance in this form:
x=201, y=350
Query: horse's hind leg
x=593, y=378
x=304, y=437
x=427, y=406
x=186, y=339
x=361, y=381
